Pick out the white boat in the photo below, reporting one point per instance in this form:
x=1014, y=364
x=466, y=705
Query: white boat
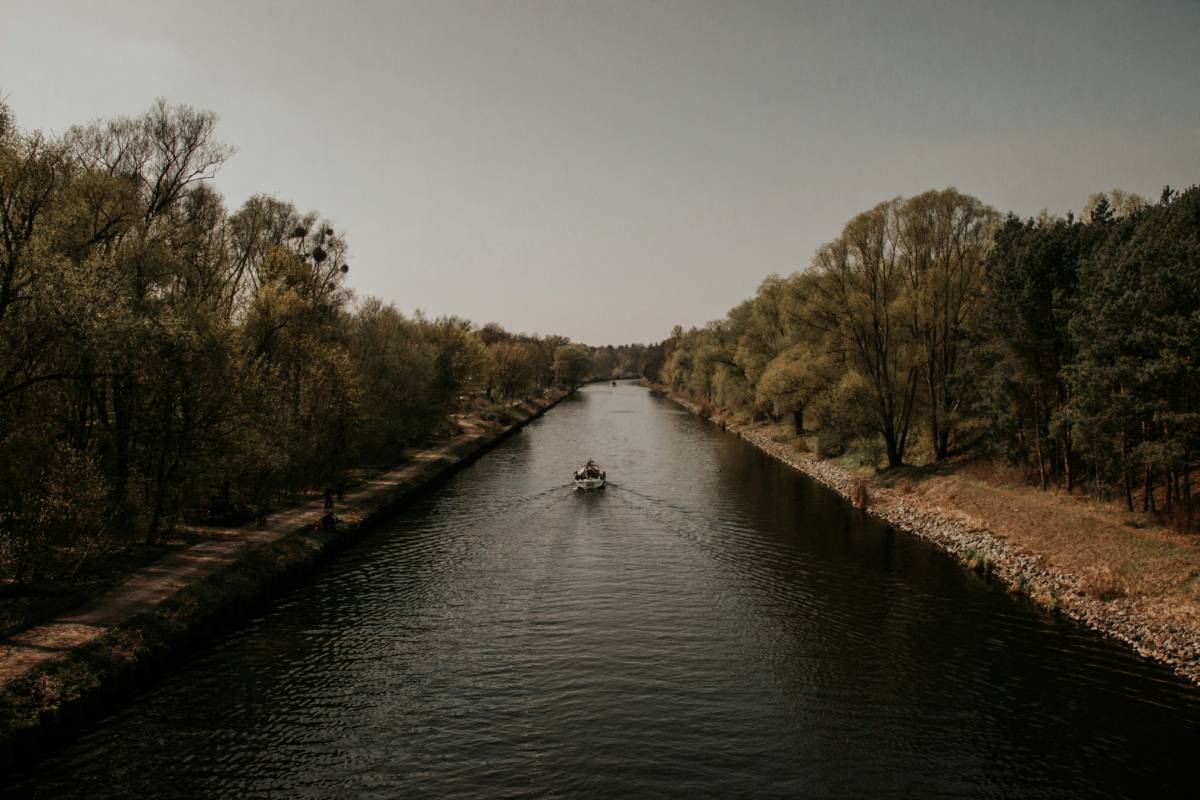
x=589, y=476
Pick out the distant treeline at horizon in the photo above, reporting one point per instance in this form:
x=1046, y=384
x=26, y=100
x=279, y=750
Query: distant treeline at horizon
x=157, y=350
x=933, y=326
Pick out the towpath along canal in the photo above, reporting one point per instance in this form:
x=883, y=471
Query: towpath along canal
x=711, y=624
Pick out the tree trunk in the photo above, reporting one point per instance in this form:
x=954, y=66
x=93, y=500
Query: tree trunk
x=1068, y=467
x=1067, y=456
x=1187, y=493
x=123, y=433
x=1037, y=437
x=160, y=494
x=935, y=422
x=894, y=456
x=1148, y=492
x=1126, y=483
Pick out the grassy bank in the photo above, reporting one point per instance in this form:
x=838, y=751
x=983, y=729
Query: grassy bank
x=1124, y=574
x=51, y=699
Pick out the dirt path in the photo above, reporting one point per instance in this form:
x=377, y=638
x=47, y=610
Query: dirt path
x=149, y=586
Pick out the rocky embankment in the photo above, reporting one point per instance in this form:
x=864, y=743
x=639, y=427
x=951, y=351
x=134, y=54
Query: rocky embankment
x=1146, y=629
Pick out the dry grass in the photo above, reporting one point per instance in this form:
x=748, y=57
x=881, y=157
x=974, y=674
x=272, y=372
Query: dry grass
x=1104, y=584
x=1115, y=553
x=998, y=473
x=861, y=496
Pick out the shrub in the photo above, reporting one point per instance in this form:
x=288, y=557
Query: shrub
x=867, y=451
x=1104, y=584
x=830, y=443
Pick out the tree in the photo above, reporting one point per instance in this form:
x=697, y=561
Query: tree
x=512, y=368
x=791, y=381
x=858, y=305
x=942, y=242
x=393, y=361
x=572, y=365
x=156, y=350
x=1137, y=334
x=1031, y=293
x=461, y=366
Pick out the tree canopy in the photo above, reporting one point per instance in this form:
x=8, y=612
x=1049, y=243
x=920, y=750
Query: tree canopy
x=1068, y=345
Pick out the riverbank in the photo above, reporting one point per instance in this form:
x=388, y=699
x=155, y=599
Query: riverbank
x=1120, y=574
x=58, y=674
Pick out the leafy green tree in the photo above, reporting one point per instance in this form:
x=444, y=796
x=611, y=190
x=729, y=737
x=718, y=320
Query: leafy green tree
x=859, y=306
x=394, y=366
x=1137, y=334
x=791, y=381
x=572, y=364
x=513, y=368
x=1031, y=295
x=156, y=350
x=942, y=243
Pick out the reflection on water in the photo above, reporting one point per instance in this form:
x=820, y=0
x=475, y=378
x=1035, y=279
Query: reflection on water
x=712, y=624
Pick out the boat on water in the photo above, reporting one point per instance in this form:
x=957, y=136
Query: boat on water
x=589, y=476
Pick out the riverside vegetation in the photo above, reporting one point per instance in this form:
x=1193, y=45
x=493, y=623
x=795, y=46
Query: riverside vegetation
x=1032, y=378
x=160, y=354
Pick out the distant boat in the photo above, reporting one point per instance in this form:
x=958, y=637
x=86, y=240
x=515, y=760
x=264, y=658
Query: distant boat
x=589, y=476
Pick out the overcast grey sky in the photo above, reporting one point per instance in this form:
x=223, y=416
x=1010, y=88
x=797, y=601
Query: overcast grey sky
x=608, y=169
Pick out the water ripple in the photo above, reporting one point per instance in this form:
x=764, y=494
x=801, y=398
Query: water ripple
x=710, y=625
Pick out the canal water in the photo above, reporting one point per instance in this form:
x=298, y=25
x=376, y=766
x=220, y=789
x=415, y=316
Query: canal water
x=711, y=625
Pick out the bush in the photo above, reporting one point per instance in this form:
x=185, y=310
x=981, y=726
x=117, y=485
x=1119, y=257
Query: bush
x=867, y=451
x=1103, y=584
x=830, y=443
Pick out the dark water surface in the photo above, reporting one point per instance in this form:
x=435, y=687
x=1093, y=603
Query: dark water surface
x=712, y=624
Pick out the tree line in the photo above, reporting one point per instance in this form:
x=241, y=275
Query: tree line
x=157, y=349
x=934, y=326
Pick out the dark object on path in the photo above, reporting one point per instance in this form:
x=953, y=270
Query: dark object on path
x=341, y=490
x=222, y=512
x=328, y=499
x=327, y=522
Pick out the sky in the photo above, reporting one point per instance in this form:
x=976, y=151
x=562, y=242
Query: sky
x=606, y=170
